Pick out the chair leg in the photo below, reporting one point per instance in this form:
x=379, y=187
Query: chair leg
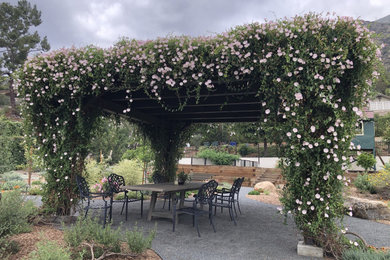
x=238, y=203
x=105, y=214
x=234, y=206
x=123, y=207
x=127, y=206
x=196, y=225
x=232, y=215
x=142, y=204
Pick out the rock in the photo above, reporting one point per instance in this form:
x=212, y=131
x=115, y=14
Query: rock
x=367, y=209
x=265, y=185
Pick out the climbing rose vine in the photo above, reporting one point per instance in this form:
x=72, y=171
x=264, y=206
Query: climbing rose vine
x=312, y=76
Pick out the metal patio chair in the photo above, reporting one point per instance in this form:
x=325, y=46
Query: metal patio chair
x=86, y=194
x=227, y=198
x=204, y=197
x=116, y=183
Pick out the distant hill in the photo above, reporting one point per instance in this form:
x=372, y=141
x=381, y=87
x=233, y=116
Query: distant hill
x=385, y=19
x=382, y=28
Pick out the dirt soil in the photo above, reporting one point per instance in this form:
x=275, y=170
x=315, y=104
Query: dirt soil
x=27, y=243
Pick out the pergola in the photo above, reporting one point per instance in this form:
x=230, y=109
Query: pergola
x=305, y=79
x=221, y=105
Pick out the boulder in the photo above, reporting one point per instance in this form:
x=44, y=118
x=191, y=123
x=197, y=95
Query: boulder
x=265, y=185
x=367, y=209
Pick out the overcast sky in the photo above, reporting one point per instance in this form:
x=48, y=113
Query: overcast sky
x=103, y=22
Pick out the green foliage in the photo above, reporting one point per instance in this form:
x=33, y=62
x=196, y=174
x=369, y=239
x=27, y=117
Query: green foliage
x=49, y=250
x=359, y=254
x=266, y=192
x=95, y=171
x=182, y=177
x=11, y=181
x=141, y=153
x=7, y=247
x=362, y=182
x=137, y=241
x=112, y=139
x=381, y=179
x=245, y=149
x=254, y=192
x=219, y=158
x=14, y=220
x=366, y=160
x=11, y=142
x=382, y=123
x=90, y=230
x=131, y=170
x=36, y=191
x=38, y=183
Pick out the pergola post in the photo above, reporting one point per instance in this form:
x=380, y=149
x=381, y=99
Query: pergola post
x=167, y=140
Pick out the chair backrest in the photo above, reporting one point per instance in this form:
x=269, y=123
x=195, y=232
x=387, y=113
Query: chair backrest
x=206, y=192
x=83, y=186
x=239, y=184
x=236, y=186
x=116, y=181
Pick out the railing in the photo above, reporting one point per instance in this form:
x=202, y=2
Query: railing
x=240, y=163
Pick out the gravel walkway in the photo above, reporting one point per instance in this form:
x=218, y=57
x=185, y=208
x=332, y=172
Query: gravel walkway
x=260, y=233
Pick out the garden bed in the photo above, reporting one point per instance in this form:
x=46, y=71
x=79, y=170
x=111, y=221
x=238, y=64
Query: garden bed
x=27, y=243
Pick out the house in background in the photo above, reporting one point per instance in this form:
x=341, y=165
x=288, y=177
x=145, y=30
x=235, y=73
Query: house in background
x=365, y=134
x=380, y=104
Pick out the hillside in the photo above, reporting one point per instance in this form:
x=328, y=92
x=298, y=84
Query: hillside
x=382, y=28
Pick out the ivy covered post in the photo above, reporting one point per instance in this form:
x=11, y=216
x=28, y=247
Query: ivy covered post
x=167, y=140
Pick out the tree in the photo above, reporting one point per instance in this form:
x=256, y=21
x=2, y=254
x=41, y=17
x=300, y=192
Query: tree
x=17, y=41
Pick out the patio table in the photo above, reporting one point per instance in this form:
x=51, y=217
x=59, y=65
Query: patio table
x=168, y=187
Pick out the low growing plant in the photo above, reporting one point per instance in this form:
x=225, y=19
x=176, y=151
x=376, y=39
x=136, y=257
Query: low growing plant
x=380, y=179
x=49, y=250
x=362, y=182
x=15, y=213
x=7, y=247
x=131, y=170
x=36, y=191
x=359, y=254
x=219, y=158
x=254, y=192
x=137, y=241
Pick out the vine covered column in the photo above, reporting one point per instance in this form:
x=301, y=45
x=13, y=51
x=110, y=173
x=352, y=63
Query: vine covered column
x=167, y=140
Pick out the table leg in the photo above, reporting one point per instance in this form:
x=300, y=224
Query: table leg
x=181, y=204
x=152, y=205
x=175, y=218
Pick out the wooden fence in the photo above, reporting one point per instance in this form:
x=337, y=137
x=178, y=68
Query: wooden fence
x=228, y=174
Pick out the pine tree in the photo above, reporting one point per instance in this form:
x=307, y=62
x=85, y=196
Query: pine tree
x=17, y=40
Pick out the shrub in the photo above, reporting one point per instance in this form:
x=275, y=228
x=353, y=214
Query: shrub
x=219, y=158
x=359, y=254
x=131, y=170
x=36, y=183
x=95, y=171
x=90, y=230
x=11, y=143
x=362, y=182
x=136, y=240
x=14, y=219
x=245, y=149
x=254, y=192
x=7, y=247
x=381, y=179
x=366, y=160
x=36, y=191
x=49, y=250
x=104, y=239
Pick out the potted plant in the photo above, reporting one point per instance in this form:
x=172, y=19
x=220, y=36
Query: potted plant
x=182, y=177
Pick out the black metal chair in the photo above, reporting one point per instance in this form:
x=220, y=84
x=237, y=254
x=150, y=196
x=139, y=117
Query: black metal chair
x=227, y=198
x=204, y=197
x=86, y=194
x=116, y=182
x=223, y=195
